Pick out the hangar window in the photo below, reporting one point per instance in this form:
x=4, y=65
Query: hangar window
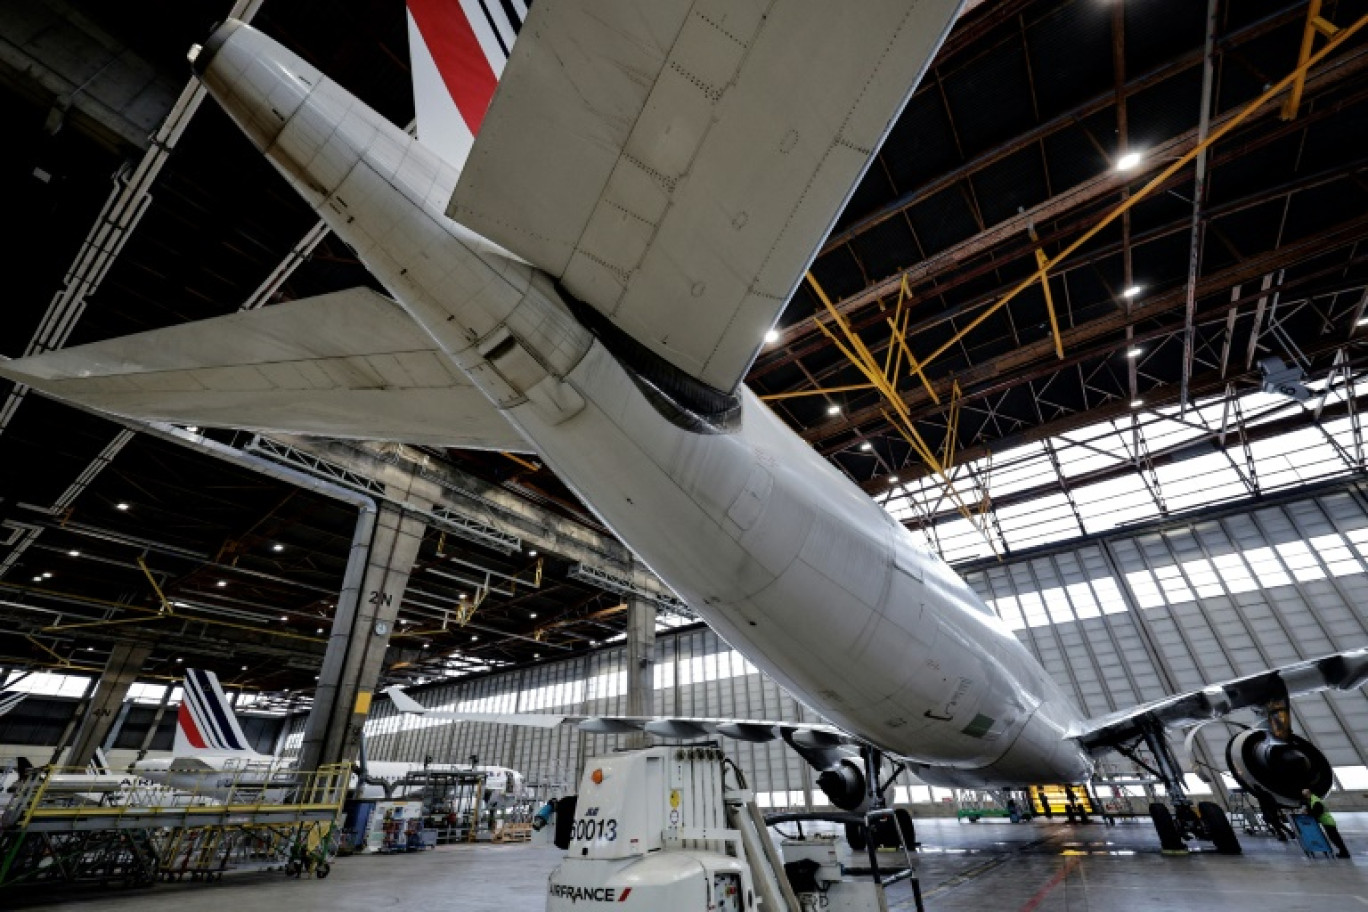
x=1352, y=778
x=1153, y=462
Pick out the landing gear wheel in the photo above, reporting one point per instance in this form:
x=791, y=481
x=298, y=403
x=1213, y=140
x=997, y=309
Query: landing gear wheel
x=1218, y=828
x=1169, y=838
x=858, y=836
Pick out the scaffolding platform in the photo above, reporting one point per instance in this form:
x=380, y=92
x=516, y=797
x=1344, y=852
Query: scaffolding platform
x=57, y=829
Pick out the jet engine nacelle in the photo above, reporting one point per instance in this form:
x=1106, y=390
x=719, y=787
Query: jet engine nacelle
x=1281, y=768
x=845, y=785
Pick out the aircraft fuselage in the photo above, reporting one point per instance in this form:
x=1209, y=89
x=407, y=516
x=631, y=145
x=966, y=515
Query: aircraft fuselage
x=786, y=559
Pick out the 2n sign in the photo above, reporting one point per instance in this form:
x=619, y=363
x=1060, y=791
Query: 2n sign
x=379, y=598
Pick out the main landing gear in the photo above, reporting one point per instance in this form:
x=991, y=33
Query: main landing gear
x=1204, y=820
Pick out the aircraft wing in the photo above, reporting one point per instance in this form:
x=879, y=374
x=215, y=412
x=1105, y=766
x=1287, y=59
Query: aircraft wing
x=676, y=164
x=1341, y=671
x=754, y=730
x=347, y=364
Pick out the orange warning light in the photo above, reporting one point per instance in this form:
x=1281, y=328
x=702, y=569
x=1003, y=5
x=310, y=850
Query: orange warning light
x=597, y=777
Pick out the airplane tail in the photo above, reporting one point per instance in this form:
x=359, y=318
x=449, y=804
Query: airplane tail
x=457, y=51
x=205, y=723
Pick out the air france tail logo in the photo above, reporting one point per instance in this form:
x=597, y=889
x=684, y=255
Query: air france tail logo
x=204, y=716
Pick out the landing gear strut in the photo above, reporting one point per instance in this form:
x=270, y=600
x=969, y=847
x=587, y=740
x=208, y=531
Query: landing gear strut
x=1204, y=820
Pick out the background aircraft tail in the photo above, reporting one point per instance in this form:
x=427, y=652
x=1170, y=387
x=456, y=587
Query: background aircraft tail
x=205, y=723
x=457, y=52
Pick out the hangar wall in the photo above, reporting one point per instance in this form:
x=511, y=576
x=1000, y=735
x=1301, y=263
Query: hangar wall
x=1117, y=619
x=696, y=674
x=1131, y=617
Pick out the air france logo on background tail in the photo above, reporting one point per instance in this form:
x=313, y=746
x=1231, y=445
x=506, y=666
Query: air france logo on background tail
x=205, y=722
x=457, y=49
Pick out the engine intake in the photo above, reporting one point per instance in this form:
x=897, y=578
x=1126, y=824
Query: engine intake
x=1280, y=768
x=844, y=784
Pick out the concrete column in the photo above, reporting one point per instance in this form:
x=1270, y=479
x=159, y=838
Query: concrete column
x=124, y=665
x=641, y=637
x=360, y=634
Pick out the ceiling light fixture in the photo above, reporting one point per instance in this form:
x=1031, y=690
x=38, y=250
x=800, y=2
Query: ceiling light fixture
x=121, y=506
x=192, y=428
x=277, y=547
x=532, y=614
x=532, y=553
x=1134, y=352
x=1136, y=403
x=892, y=479
x=37, y=579
x=179, y=661
x=1129, y=160
x=1131, y=291
x=221, y=583
x=473, y=637
x=833, y=410
x=74, y=553
x=284, y=617
x=771, y=337
x=866, y=446
x=1362, y=321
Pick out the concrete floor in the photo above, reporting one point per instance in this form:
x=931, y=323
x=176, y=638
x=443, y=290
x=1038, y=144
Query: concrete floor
x=984, y=867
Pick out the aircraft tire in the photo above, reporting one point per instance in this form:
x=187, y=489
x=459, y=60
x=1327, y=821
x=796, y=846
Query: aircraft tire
x=1218, y=828
x=1169, y=838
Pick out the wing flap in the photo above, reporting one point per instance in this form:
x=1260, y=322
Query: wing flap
x=677, y=164
x=348, y=364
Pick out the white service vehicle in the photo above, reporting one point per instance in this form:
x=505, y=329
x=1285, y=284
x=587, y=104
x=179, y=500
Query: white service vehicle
x=662, y=829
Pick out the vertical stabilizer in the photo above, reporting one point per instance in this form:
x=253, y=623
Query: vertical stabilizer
x=457, y=49
x=205, y=723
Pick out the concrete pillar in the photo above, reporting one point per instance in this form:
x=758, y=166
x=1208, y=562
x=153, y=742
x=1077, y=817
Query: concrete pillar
x=641, y=637
x=124, y=665
x=360, y=635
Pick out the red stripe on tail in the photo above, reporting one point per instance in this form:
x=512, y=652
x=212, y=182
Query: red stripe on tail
x=458, y=55
x=187, y=725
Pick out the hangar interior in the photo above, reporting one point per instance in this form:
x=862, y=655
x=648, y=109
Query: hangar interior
x=1150, y=465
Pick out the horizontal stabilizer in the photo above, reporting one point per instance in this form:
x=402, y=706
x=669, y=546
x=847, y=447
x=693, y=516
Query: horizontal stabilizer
x=349, y=364
x=674, y=728
x=1341, y=671
x=676, y=164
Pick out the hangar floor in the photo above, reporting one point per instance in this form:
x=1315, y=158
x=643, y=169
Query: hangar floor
x=1034, y=868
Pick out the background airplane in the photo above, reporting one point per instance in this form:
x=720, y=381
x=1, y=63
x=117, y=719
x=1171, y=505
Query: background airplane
x=209, y=740
x=648, y=185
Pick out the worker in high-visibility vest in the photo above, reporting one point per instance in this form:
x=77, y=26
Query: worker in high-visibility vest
x=1315, y=806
